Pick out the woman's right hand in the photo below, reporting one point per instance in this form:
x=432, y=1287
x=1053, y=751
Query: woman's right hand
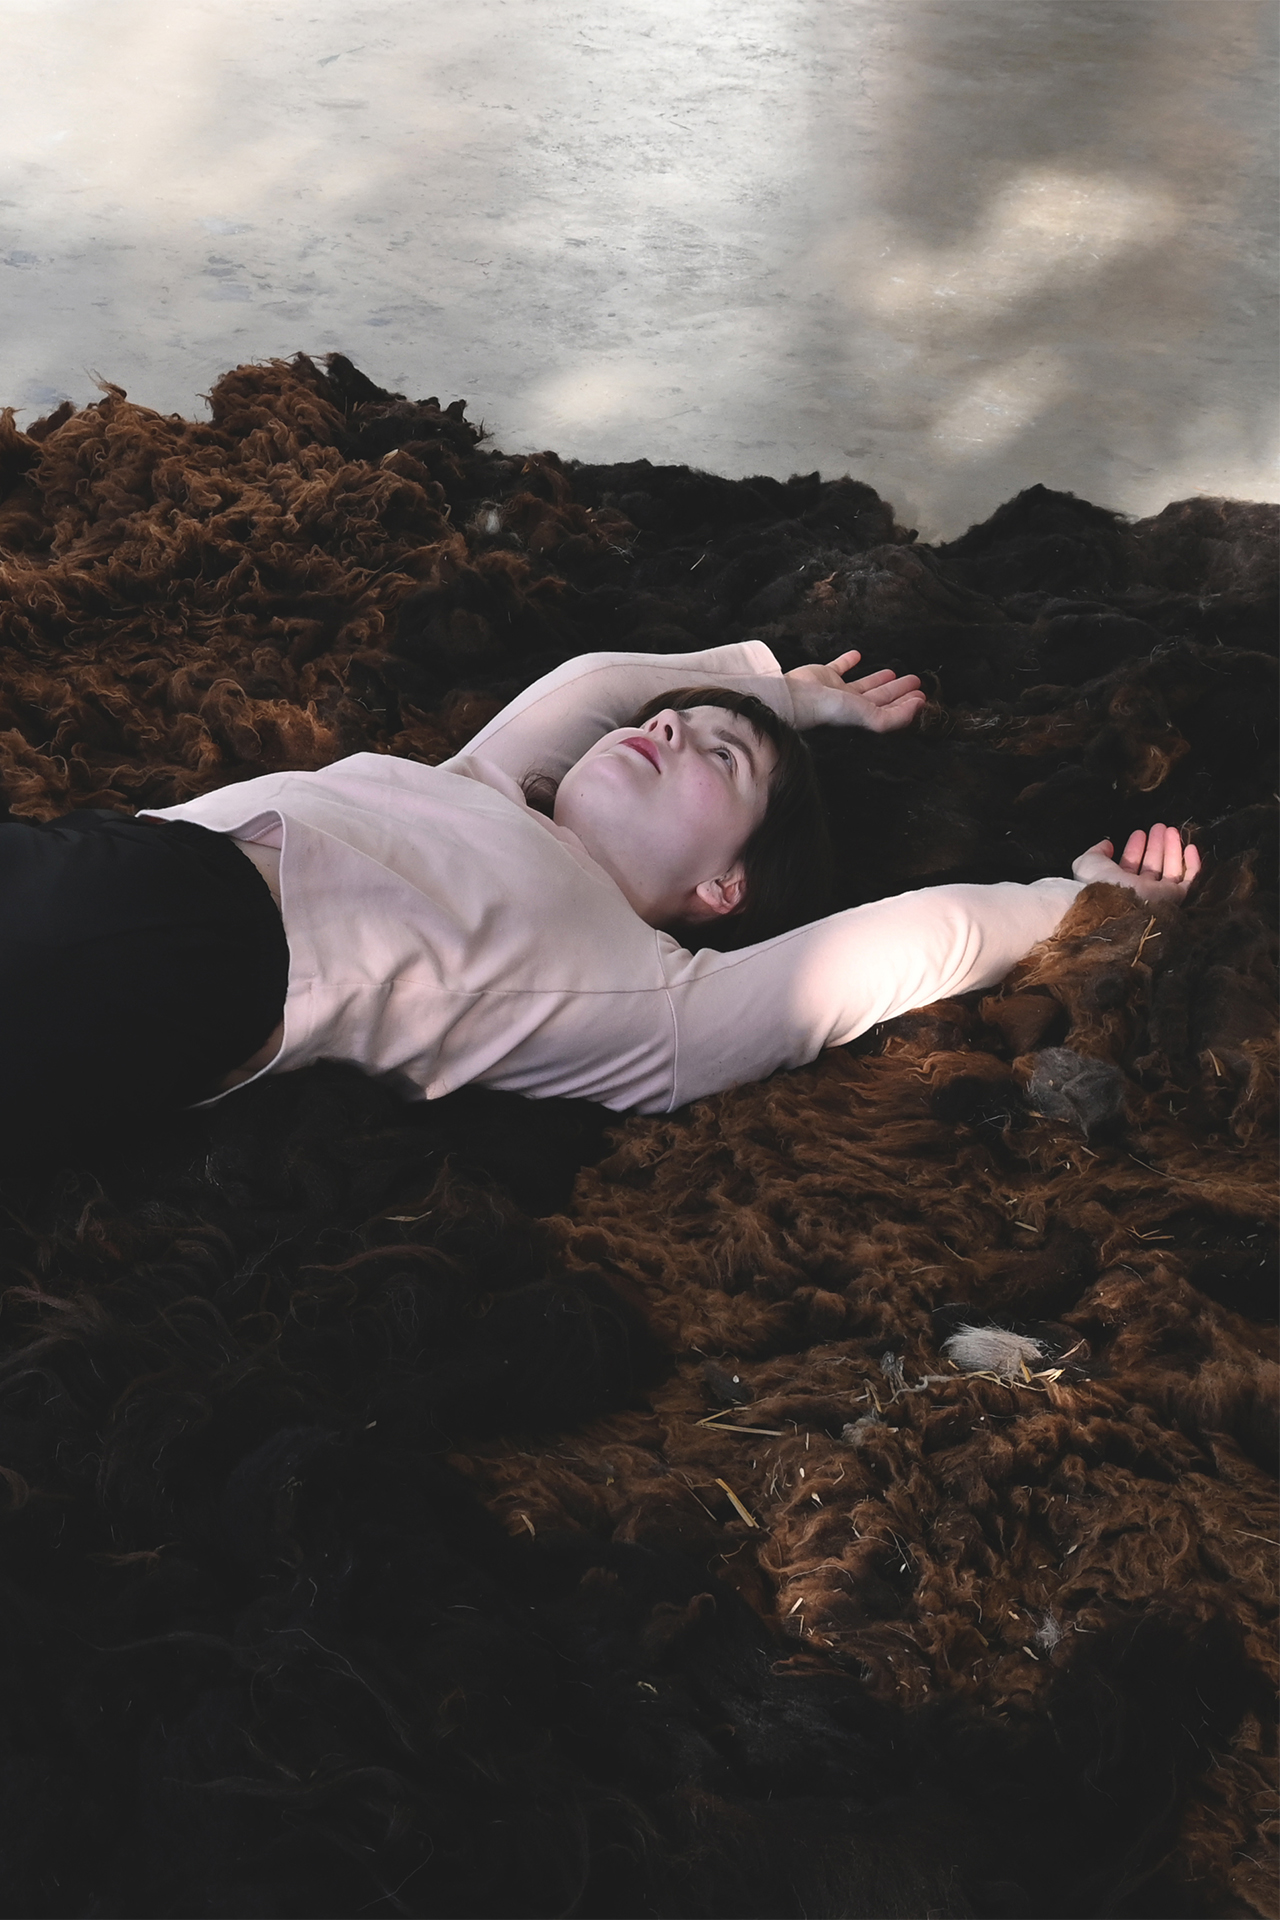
x=1155, y=865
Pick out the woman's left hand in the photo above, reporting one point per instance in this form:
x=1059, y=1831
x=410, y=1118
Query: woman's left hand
x=1155, y=865
x=882, y=702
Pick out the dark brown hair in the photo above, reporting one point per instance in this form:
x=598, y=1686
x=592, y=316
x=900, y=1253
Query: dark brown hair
x=787, y=860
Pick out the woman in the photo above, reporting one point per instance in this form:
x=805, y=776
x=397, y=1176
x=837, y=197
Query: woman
x=431, y=925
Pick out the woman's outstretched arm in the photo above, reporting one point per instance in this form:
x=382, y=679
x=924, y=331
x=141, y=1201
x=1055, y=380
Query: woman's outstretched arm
x=552, y=723
x=740, y=1016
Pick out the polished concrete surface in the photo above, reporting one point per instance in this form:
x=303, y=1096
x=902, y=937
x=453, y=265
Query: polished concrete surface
x=950, y=246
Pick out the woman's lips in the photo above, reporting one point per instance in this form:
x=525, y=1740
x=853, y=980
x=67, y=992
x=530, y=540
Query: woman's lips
x=642, y=744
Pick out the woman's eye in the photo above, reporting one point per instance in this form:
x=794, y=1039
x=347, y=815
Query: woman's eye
x=725, y=755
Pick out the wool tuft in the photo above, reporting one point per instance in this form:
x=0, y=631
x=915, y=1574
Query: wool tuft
x=993, y=1350
x=1088, y=1094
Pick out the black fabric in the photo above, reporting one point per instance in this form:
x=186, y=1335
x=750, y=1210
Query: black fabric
x=140, y=961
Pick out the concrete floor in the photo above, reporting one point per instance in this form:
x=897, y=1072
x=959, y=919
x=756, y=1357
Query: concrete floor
x=951, y=246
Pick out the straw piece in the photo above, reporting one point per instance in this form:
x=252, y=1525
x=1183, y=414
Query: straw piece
x=737, y=1504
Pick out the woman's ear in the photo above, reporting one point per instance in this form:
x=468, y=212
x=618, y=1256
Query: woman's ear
x=713, y=899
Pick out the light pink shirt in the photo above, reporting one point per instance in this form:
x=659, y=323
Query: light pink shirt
x=441, y=932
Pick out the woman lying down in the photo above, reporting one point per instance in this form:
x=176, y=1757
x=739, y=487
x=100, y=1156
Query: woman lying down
x=520, y=916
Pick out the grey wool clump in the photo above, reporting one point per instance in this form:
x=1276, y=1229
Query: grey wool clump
x=993, y=1350
x=857, y=1432
x=1087, y=1094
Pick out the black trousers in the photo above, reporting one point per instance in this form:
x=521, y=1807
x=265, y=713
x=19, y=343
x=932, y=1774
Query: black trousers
x=139, y=962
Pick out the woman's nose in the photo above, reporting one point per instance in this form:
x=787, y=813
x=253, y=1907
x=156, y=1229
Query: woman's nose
x=667, y=725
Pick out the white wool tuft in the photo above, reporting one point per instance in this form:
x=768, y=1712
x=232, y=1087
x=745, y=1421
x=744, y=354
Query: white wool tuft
x=993, y=1350
x=1047, y=1634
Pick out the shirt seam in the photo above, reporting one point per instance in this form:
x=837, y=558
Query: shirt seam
x=675, y=1031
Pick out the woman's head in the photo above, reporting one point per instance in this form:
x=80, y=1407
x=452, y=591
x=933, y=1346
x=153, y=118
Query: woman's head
x=706, y=812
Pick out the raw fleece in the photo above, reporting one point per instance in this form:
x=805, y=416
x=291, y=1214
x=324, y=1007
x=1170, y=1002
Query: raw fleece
x=491, y=1508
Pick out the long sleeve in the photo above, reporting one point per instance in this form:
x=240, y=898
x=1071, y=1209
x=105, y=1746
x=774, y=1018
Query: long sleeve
x=739, y=1016
x=553, y=723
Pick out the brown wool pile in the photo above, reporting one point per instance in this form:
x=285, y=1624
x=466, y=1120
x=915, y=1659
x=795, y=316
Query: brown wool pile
x=1084, y=1158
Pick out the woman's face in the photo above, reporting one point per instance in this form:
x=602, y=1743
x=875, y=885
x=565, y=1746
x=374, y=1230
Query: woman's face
x=666, y=809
